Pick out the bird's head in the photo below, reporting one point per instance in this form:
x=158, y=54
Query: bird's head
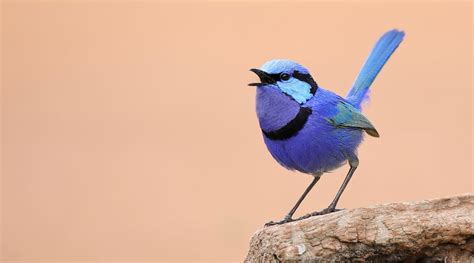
x=288, y=77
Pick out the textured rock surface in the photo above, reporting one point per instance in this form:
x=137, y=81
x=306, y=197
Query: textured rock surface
x=438, y=230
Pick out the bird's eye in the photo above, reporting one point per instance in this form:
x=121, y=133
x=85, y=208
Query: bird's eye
x=284, y=76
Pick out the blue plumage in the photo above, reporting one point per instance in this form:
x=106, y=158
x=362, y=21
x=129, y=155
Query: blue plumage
x=318, y=147
x=313, y=130
x=376, y=60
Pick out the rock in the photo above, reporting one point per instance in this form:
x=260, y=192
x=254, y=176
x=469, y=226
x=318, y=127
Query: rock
x=439, y=230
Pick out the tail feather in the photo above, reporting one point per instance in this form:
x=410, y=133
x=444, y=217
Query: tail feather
x=379, y=55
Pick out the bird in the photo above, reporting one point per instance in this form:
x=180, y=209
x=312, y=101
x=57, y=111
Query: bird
x=313, y=130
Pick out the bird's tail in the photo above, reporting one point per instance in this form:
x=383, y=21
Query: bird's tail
x=376, y=60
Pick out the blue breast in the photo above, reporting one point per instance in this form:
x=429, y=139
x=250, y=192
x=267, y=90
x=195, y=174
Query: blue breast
x=318, y=146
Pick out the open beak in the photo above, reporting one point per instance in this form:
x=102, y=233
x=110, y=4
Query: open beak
x=264, y=78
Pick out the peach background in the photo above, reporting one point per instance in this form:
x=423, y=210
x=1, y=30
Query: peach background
x=129, y=132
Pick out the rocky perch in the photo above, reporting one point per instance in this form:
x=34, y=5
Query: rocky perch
x=439, y=230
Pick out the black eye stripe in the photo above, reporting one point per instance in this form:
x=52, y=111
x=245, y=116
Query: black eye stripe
x=303, y=77
x=275, y=77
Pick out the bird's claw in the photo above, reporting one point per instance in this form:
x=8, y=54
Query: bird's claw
x=287, y=219
x=320, y=213
x=329, y=210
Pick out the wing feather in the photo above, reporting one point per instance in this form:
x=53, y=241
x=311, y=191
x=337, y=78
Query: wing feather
x=349, y=117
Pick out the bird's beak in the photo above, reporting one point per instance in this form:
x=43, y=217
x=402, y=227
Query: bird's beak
x=264, y=78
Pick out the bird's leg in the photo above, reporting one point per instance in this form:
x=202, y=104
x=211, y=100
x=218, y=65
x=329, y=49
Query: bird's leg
x=332, y=207
x=288, y=217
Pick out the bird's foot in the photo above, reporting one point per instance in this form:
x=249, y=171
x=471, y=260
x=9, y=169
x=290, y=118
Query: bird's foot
x=287, y=219
x=330, y=209
x=326, y=211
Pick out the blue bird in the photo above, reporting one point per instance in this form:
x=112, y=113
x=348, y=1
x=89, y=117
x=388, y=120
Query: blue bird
x=313, y=130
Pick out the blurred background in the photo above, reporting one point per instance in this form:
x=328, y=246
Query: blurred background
x=129, y=131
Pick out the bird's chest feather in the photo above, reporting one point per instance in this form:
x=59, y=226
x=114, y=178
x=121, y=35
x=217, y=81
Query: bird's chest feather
x=278, y=112
x=275, y=109
x=312, y=147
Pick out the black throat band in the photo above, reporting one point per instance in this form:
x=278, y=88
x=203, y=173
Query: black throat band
x=291, y=128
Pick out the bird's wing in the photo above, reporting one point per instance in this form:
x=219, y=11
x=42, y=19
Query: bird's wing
x=348, y=116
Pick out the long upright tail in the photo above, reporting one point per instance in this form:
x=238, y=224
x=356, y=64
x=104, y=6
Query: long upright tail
x=379, y=55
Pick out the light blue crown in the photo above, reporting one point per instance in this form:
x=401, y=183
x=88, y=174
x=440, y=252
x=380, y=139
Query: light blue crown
x=283, y=65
